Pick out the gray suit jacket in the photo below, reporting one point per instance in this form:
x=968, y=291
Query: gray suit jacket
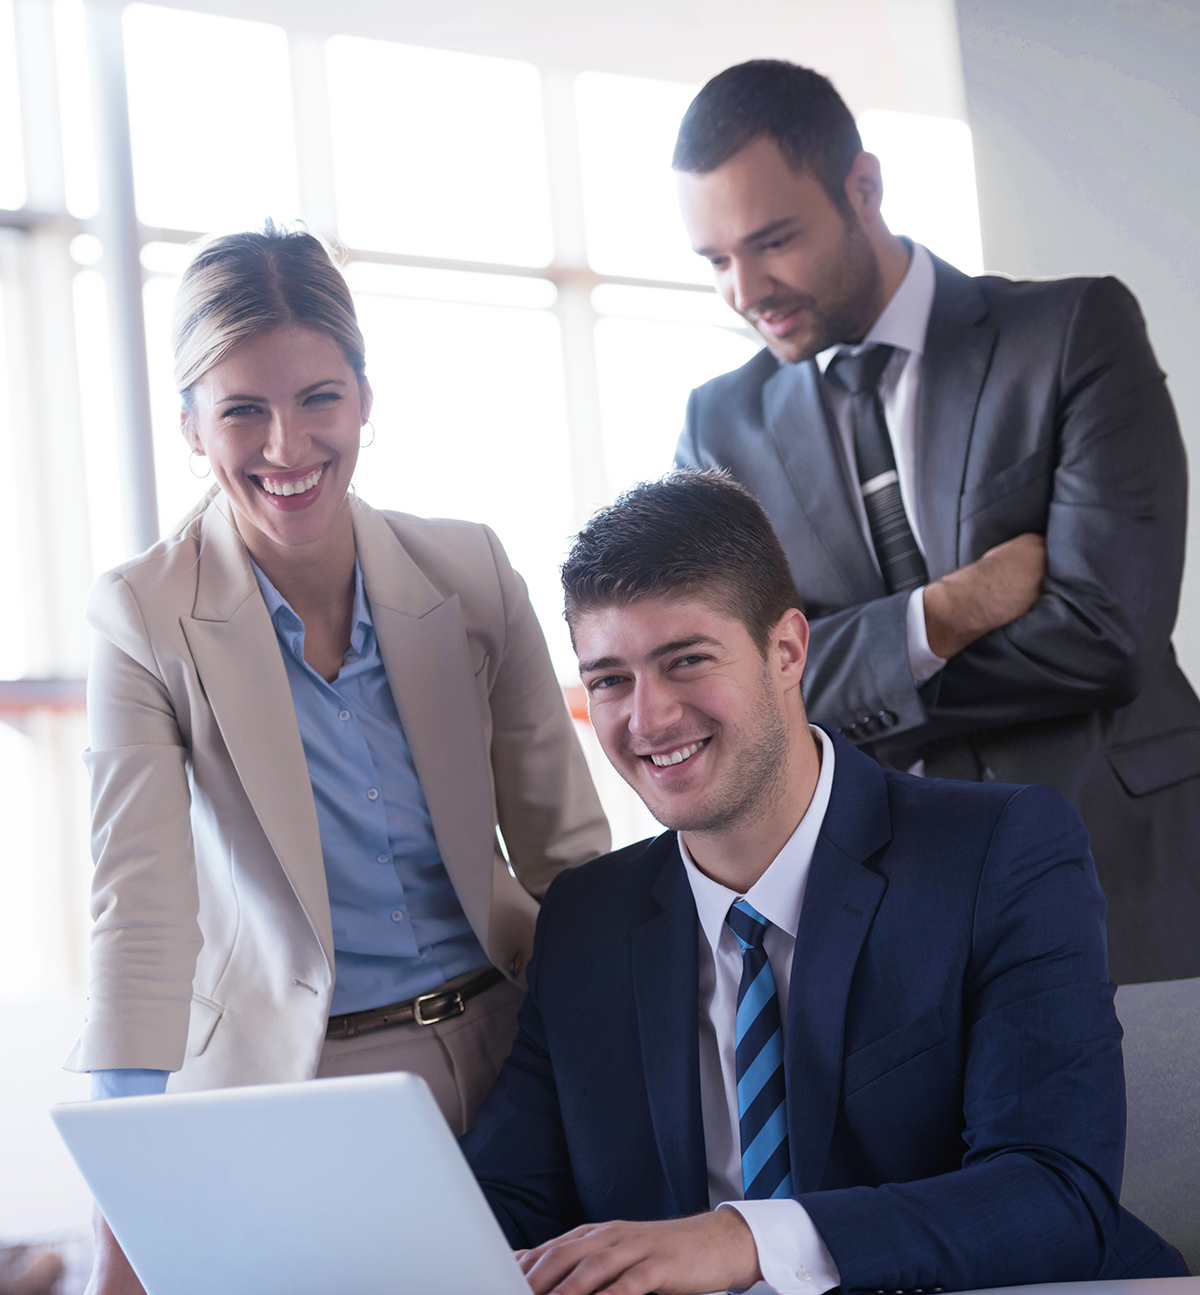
x=1042, y=409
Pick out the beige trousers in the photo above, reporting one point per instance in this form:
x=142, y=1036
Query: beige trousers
x=459, y=1059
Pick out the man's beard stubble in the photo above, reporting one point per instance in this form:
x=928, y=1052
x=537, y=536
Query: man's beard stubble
x=758, y=777
x=846, y=300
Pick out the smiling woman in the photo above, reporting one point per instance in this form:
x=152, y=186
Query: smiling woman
x=309, y=721
x=287, y=442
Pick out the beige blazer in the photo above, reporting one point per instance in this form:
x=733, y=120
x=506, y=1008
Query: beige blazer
x=212, y=950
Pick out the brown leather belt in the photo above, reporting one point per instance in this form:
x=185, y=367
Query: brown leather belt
x=426, y=1009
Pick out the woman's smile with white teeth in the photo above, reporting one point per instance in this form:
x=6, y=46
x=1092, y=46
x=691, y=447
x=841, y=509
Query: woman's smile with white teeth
x=293, y=487
x=678, y=757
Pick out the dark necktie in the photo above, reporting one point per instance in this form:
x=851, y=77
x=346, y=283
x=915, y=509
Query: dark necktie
x=762, y=1111
x=900, y=561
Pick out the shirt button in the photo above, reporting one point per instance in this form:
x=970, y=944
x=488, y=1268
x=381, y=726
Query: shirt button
x=804, y=1275
x=343, y=714
x=397, y=915
x=372, y=793
x=382, y=858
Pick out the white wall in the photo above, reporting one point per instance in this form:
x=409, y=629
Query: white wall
x=1086, y=118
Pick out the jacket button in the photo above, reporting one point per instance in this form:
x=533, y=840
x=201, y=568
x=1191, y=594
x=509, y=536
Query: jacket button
x=517, y=963
x=869, y=723
x=886, y=718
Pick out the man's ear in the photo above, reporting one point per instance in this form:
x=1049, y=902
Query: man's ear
x=864, y=187
x=789, y=645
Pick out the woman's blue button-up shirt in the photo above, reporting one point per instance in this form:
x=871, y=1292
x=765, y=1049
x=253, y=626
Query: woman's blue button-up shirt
x=398, y=928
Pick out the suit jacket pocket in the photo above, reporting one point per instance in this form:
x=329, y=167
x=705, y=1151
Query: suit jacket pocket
x=201, y=1023
x=1037, y=466
x=892, y=1051
x=1156, y=762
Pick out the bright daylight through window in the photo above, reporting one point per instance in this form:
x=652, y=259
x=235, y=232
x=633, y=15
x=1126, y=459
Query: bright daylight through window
x=534, y=320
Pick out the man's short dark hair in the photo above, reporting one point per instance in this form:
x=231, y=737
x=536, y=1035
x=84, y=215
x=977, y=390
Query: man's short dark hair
x=798, y=108
x=690, y=534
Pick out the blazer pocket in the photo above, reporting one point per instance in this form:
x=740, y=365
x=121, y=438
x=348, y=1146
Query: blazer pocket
x=203, y=1020
x=1150, y=764
x=893, y=1050
x=1033, y=467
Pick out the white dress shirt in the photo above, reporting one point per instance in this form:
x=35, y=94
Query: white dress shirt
x=902, y=324
x=791, y=1254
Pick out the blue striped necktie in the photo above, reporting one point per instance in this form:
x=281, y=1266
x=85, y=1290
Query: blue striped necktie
x=762, y=1111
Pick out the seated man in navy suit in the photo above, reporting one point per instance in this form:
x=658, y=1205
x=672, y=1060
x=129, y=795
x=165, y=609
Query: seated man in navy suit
x=838, y=1025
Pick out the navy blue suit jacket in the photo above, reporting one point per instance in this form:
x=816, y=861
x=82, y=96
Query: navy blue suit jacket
x=956, y=1104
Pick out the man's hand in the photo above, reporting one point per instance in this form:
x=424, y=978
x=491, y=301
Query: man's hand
x=29, y=1272
x=708, y=1252
x=976, y=599
x=111, y=1271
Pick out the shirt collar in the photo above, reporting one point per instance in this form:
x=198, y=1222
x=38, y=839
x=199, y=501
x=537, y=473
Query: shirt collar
x=779, y=893
x=904, y=321
x=289, y=625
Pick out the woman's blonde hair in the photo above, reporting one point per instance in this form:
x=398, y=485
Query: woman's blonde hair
x=239, y=285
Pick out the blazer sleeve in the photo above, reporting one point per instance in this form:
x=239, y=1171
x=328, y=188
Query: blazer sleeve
x=518, y=1147
x=1114, y=539
x=548, y=809
x=146, y=936
x=1044, y=1096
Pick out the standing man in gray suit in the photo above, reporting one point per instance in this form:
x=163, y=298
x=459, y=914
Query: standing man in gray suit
x=980, y=487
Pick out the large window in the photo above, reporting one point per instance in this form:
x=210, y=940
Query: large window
x=534, y=322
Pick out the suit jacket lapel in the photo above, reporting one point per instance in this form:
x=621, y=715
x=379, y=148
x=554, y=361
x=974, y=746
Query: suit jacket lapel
x=839, y=905
x=958, y=349
x=237, y=657
x=665, y=971
x=802, y=433
x=423, y=642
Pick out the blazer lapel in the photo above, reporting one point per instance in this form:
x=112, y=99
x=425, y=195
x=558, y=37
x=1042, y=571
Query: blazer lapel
x=840, y=901
x=958, y=349
x=666, y=994
x=423, y=641
x=801, y=431
x=233, y=644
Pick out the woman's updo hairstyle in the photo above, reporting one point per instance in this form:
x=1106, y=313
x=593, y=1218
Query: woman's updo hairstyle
x=238, y=285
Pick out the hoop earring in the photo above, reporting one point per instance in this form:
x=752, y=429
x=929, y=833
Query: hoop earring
x=200, y=476
x=363, y=445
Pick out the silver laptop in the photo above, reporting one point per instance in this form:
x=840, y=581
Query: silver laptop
x=354, y=1186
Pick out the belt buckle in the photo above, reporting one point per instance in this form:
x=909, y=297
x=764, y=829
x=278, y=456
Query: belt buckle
x=455, y=1007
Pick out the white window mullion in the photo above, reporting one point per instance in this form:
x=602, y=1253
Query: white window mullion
x=37, y=77
x=33, y=553
x=49, y=423
x=117, y=225
x=314, y=136
x=577, y=319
